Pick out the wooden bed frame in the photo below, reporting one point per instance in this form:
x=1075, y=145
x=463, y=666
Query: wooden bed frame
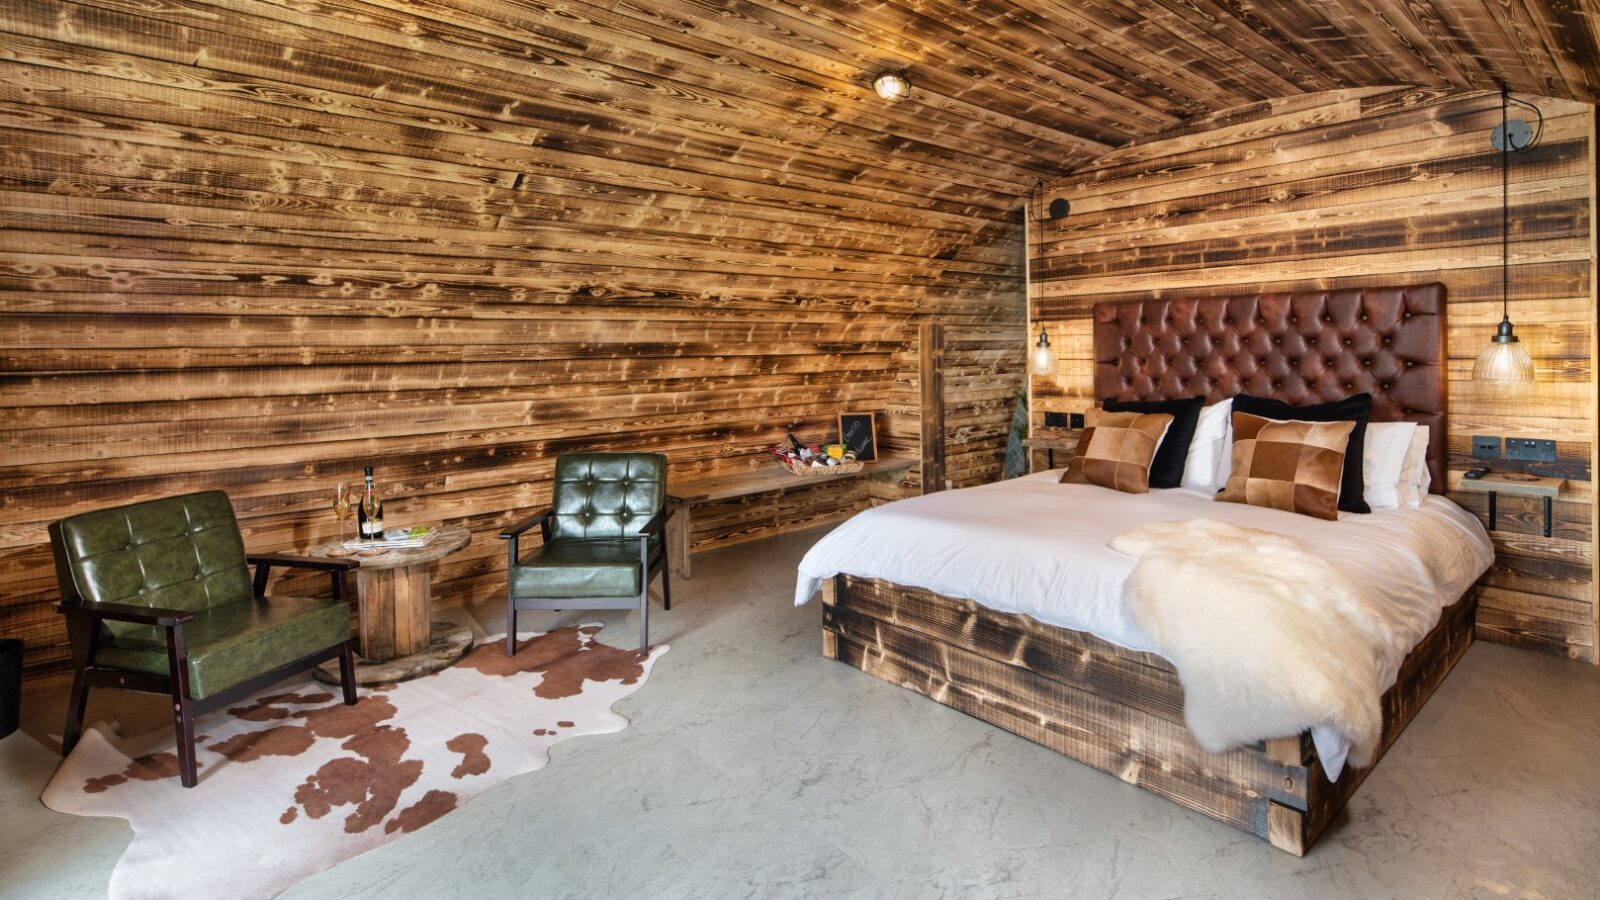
x=1119, y=710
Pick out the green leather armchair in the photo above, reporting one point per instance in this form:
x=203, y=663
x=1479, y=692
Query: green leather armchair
x=604, y=540
x=158, y=598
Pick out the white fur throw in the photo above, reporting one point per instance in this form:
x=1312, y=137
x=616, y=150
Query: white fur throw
x=1268, y=638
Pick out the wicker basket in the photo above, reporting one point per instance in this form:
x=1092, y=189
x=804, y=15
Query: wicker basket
x=805, y=470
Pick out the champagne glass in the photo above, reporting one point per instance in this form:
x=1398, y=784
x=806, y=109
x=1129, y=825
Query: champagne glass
x=341, y=506
x=353, y=498
x=373, y=506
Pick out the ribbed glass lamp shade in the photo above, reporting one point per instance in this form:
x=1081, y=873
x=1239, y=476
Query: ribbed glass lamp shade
x=1504, y=363
x=1042, y=359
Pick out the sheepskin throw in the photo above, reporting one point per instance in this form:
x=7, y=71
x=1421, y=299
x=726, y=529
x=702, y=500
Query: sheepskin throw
x=1294, y=466
x=1268, y=638
x=1116, y=452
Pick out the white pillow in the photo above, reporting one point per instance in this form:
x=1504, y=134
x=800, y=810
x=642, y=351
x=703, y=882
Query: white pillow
x=1415, y=479
x=1209, y=449
x=1384, y=454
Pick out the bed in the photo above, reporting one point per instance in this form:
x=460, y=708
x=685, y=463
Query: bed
x=1003, y=602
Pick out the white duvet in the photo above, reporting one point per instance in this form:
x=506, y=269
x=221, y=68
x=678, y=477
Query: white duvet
x=1037, y=547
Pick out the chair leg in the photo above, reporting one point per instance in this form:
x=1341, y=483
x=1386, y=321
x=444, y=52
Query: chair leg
x=511, y=628
x=182, y=712
x=644, y=618
x=76, y=701
x=347, y=673
x=184, y=724
x=666, y=585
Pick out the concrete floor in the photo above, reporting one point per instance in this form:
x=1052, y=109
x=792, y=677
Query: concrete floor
x=755, y=768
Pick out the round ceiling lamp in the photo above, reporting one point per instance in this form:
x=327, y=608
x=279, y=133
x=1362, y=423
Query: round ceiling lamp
x=892, y=86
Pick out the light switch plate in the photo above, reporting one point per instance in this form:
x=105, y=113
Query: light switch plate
x=1485, y=446
x=1531, y=449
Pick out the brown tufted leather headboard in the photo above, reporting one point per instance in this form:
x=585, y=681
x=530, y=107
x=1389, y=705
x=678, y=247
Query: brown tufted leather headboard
x=1303, y=347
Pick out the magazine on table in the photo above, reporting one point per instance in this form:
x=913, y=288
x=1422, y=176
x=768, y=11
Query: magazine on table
x=396, y=539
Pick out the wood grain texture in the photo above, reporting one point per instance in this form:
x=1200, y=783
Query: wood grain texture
x=254, y=246
x=251, y=244
x=1118, y=710
x=1375, y=187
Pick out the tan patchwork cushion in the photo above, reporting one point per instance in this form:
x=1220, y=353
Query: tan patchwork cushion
x=1295, y=466
x=1116, y=451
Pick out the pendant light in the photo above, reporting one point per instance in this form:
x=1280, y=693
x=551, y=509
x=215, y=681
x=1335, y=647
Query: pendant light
x=1505, y=360
x=1043, y=358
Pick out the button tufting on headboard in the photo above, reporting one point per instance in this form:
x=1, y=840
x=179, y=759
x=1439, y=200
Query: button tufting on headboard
x=1302, y=347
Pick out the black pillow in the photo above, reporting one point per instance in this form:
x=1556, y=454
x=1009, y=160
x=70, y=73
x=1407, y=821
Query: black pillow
x=1166, y=470
x=1353, y=487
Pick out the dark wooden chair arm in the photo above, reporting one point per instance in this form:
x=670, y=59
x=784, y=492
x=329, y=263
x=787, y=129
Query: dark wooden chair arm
x=265, y=561
x=657, y=523
x=126, y=612
x=515, y=531
x=301, y=562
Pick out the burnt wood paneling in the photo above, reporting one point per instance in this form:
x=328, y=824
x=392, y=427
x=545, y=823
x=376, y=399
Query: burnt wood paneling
x=1371, y=188
x=253, y=247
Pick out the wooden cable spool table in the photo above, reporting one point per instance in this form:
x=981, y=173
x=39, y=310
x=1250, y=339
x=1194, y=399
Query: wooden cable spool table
x=397, y=635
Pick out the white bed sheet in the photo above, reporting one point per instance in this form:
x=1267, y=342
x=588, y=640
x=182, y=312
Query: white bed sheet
x=1034, y=546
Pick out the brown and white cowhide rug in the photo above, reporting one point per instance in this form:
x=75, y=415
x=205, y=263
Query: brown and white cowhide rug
x=293, y=781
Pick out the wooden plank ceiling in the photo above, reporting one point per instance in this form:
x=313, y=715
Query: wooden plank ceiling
x=251, y=244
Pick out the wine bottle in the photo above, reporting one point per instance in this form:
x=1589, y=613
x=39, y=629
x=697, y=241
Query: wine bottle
x=370, y=514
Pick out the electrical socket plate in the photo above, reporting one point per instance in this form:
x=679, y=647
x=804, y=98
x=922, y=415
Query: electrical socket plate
x=1076, y=420
x=1530, y=450
x=1485, y=446
x=1055, y=420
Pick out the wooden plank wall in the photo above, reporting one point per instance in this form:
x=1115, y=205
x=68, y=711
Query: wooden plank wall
x=1373, y=187
x=983, y=376
x=253, y=246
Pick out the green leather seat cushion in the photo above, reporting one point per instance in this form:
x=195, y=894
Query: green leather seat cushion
x=570, y=569
x=230, y=643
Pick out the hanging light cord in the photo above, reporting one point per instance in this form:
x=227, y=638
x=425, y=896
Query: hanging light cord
x=1507, y=145
x=1505, y=211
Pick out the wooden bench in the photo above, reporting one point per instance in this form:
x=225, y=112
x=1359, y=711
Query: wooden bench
x=685, y=493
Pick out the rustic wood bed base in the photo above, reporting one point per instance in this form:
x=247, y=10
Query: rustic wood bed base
x=1117, y=710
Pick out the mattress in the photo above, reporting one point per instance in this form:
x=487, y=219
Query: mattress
x=1034, y=546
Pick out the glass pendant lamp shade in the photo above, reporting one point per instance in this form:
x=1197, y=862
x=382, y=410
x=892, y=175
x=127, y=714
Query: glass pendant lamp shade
x=1042, y=360
x=1504, y=361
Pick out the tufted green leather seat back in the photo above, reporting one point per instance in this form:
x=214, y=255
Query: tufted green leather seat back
x=606, y=495
x=178, y=552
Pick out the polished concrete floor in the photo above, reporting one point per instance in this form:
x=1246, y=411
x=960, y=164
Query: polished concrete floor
x=754, y=768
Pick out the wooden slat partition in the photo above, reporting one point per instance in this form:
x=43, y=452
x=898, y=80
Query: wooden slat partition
x=983, y=376
x=1364, y=188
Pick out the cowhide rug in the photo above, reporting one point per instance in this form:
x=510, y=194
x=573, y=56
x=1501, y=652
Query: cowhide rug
x=293, y=781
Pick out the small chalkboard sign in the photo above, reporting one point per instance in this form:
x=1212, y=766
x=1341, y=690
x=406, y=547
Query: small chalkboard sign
x=859, y=432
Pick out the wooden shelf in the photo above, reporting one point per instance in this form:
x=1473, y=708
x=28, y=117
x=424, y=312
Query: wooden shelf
x=1510, y=483
x=1496, y=483
x=771, y=477
x=1052, y=439
x=685, y=493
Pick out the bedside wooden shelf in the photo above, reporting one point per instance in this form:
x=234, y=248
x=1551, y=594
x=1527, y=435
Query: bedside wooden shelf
x=1496, y=483
x=1052, y=439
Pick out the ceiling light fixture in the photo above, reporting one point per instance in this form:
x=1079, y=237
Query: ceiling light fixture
x=892, y=86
